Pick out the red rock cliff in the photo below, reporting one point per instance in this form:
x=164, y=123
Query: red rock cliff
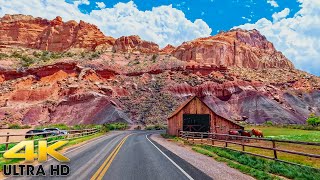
x=239, y=48
x=55, y=35
x=134, y=44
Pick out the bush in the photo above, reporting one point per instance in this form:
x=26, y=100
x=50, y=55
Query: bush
x=59, y=126
x=17, y=126
x=115, y=126
x=313, y=120
x=26, y=61
x=156, y=127
x=2, y=55
x=268, y=123
x=167, y=136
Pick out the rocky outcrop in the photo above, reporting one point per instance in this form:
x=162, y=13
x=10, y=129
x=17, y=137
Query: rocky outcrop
x=238, y=48
x=21, y=30
x=168, y=49
x=134, y=44
x=55, y=35
x=255, y=101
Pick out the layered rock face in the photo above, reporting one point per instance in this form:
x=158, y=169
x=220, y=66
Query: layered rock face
x=239, y=48
x=55, y=35
x=238, y=73
x=134, y=44
x=21, y=30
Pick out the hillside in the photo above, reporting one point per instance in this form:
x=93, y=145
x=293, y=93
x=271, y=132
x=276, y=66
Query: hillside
x=67, y=72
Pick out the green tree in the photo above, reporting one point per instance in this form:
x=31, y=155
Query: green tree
x=313, y=120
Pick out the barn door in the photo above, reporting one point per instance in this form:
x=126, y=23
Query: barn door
x=196, y=122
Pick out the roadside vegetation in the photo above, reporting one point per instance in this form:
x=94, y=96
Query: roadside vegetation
x=66, y=127
x=17, y=126
x=156, y=127
x=257, y=167
x=114, y=126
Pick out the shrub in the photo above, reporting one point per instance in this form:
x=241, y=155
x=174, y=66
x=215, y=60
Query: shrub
x=156, y=127
x=2, y=55
x=26, y=61
x=167, y=136
x=313, y=120
x=17, y=126
x=115, y=126
x=59, y=126
x=154, y=58
x=268, y=123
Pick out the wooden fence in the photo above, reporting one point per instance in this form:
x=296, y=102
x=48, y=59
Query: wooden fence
x=227, y=139
x=71, y=134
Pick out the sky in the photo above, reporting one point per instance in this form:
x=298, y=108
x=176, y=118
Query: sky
x=292, y=25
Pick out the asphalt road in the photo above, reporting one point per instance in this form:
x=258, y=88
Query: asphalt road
x=126, y=155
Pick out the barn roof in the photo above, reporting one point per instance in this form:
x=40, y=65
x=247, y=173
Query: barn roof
x=189, y=100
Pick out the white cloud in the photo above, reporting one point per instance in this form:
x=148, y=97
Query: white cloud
x=297, y=37
x=101, y=5
x=163, y=24
x=273, y=3
x=280, y=15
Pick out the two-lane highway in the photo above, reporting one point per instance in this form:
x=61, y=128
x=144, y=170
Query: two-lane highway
x=125, y=155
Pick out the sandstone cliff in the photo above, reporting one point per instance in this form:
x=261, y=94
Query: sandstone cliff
x=134, y=44
x=239, y=48
x=55, y=35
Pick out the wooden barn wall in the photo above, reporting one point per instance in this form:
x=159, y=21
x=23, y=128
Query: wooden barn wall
x=218, y=124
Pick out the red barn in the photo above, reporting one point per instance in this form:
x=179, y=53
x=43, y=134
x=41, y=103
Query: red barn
x=196, y=116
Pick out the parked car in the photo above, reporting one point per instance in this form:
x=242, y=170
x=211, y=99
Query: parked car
x=31, y=133
x=55, y=131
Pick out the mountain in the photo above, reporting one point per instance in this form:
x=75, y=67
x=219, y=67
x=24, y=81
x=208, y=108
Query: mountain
x=67, y=72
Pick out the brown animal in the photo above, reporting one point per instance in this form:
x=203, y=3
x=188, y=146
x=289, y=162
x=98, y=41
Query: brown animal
x=245, y=133
x=257, y=133
x=234, y=132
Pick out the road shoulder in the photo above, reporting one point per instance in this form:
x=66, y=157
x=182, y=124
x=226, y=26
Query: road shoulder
x=211, y=167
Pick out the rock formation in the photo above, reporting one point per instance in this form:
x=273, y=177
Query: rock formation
x=238, y=73
x=55, y=35
x=239, y=48
x=134, y=44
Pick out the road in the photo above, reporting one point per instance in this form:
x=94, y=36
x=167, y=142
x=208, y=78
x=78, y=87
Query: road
x=126, y=155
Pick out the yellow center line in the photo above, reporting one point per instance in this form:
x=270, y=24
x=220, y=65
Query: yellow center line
x=106, y=164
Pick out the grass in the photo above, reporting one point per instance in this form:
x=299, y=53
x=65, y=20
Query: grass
x=258, y=167
x=282, y=133
x=258, y=174
x=70, y=143
x=66, y=127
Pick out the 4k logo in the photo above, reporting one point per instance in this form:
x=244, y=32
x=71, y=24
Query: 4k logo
x=43, y=150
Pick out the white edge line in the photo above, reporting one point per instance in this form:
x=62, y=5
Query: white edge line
x=175, y=164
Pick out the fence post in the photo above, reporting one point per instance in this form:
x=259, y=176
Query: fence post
x=274, y=150
x=201, y=137
x=7, y=140
x=212, y=141
x=242, y=141
x=187, y=136
x=192, y=138
x=226, y=140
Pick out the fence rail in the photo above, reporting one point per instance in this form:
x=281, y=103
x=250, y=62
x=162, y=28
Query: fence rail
x=240, y=140
x=71, y=134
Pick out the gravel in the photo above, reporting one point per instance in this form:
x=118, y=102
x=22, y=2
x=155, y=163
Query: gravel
x=213, y=168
